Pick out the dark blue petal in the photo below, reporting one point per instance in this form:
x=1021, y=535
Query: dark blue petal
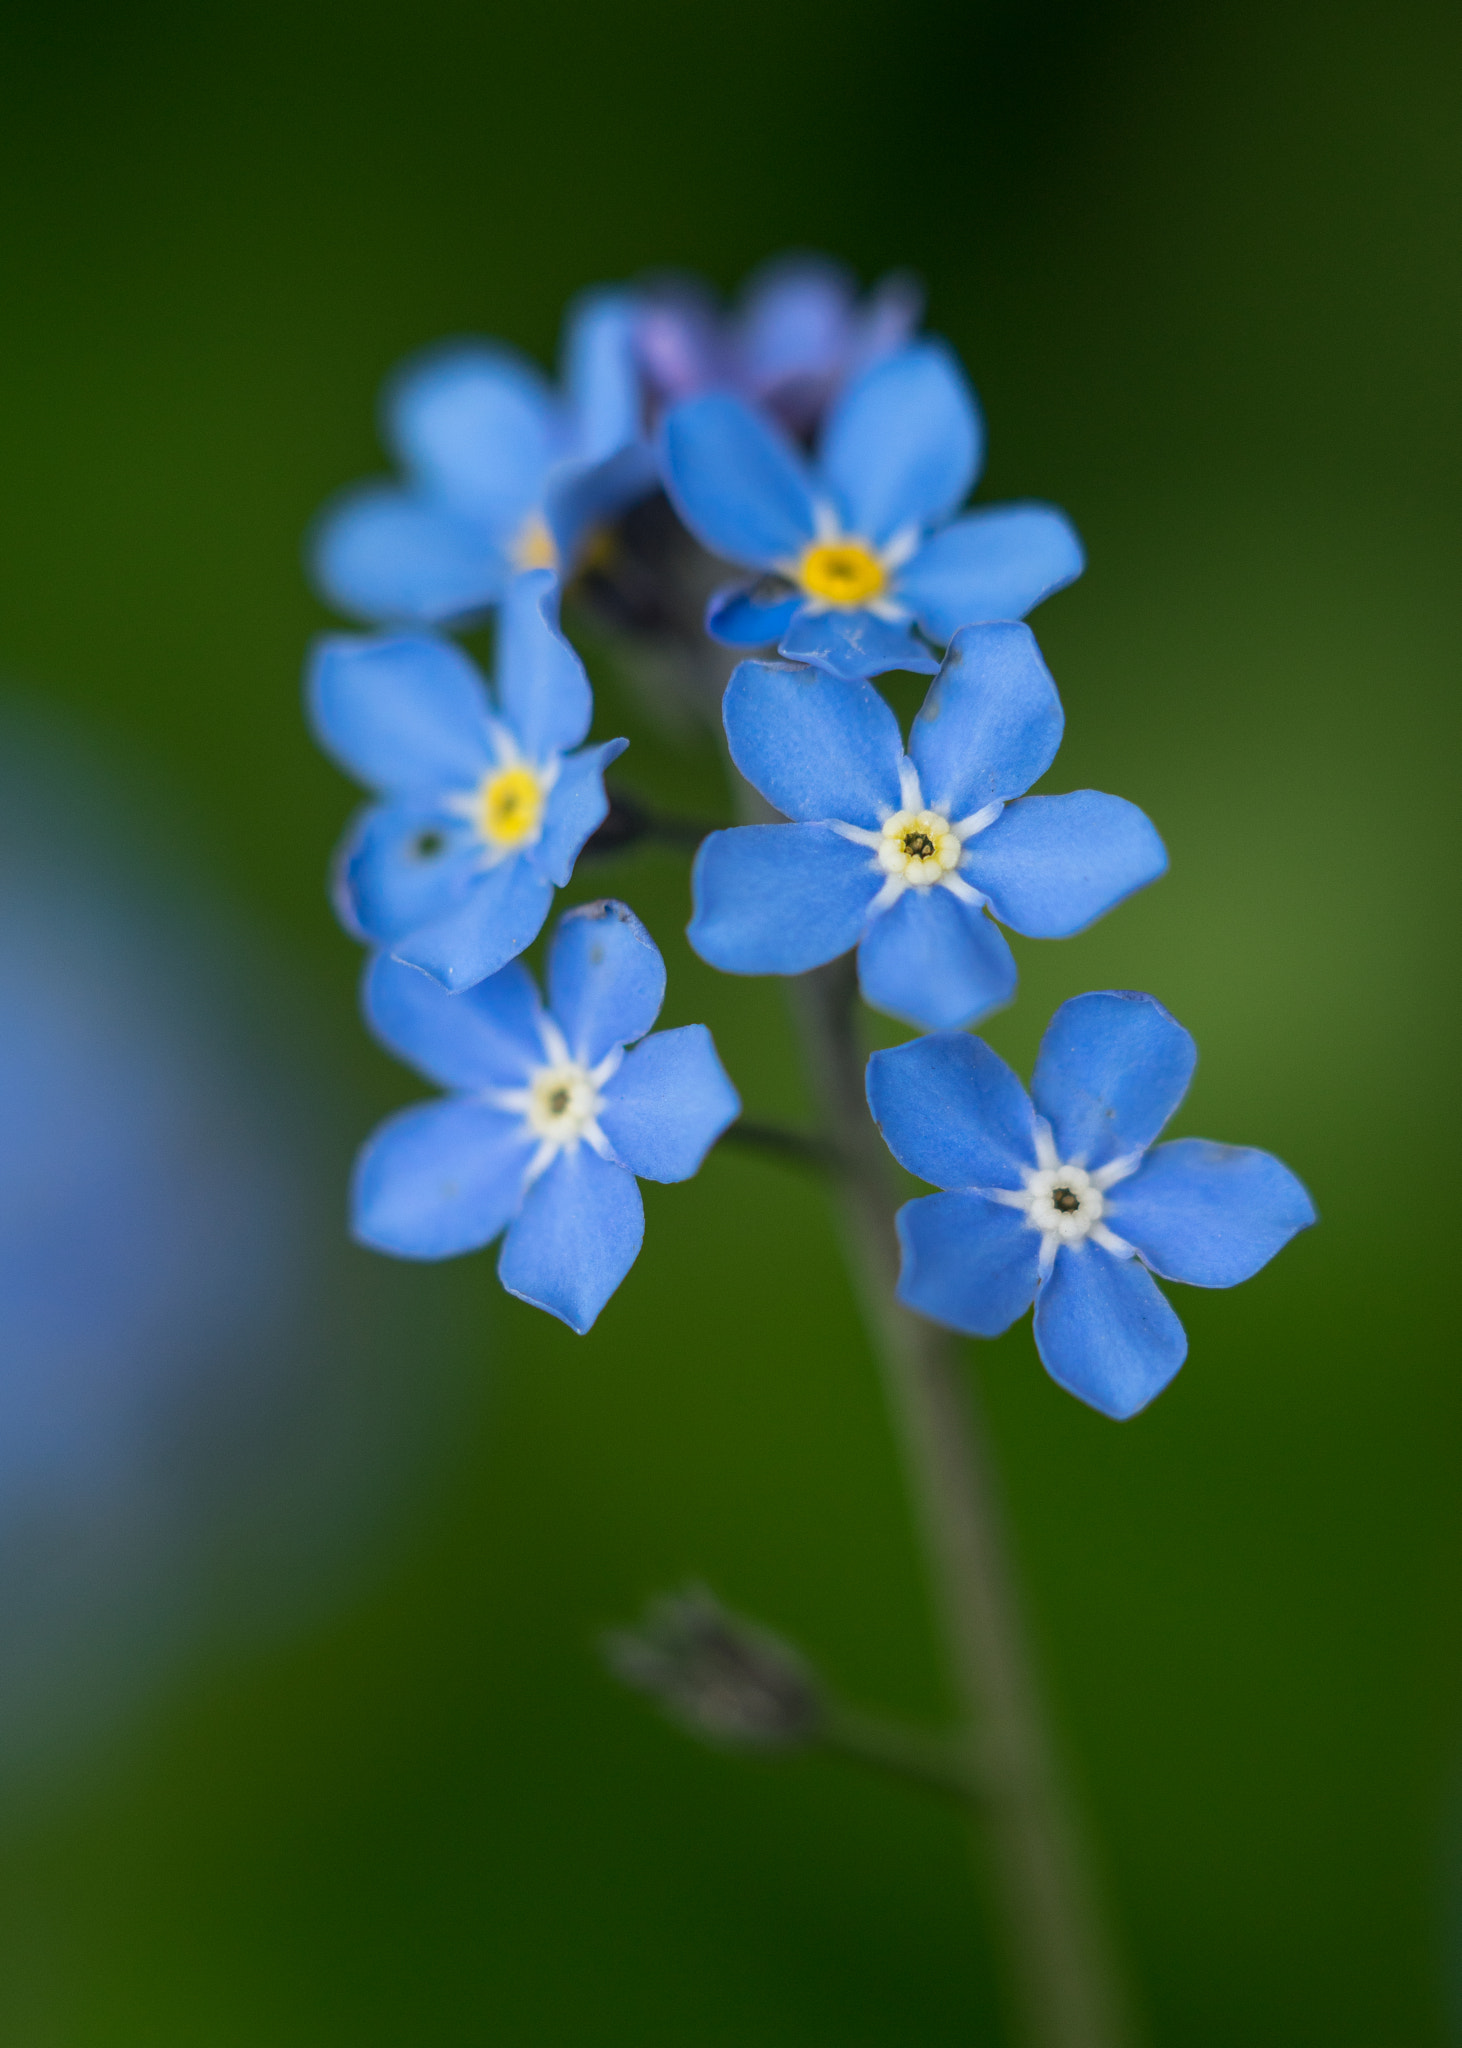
x=778, y=899
x=579, y=1233
x=991, y=722
x=576, y=807
x=1112, y=1068
x=484, y=1038
x=996, y=564
x=951, y=1111
x=668, y=1104
x=967, y=1263
x=479, y=426
x=1209, y=1214
x=440, y=1179
x=600, y=374
x=502, y=914
x=1050, y=864
x=935, y=962
x=815, y=746
x=402, y=866
x=902, y=445
x=606, y=980
x=739, y=484
x=404, y=714
x=851, y=644
x=542, y=690
x=392, y=555
x=1106, y=1332
x=734, y=617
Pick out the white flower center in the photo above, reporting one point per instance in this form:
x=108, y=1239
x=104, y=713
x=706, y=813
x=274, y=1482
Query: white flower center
x=562, y=1101
x=1063, y=1199
x=920, y=847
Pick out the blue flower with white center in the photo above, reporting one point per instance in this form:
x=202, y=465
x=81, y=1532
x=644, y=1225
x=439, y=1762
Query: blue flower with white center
x=1060, y=1200
x=860, y=547
x=485, y=805
x=901, y=855
x=503, y=473
x=551, y=1118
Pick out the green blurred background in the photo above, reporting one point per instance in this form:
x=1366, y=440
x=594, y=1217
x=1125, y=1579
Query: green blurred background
x=1203, y=265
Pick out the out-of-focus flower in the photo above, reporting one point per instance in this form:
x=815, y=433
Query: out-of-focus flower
x=552, y=1118
x=719, y=1676
x=1059, y=1200
x=860, y=547
x=485, y=807
x=503, y=473
x=902, y=854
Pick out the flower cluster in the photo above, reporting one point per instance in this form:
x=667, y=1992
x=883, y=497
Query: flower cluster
x=816, y=443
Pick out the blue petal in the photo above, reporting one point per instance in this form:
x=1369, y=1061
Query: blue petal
x=668, y=1104
x=579, y=1233
x=935, y=962
x=1050, y=864
x=405, y=714
x=778, y=899
x=852, y=644
x=600, y=374
x=1209, y=1214
x=440, y=1179
x=402, y=866
x=577, y=806
x=995, y=564
x=502, y=914
x=606, y=980
x=542, y=690
x=903, y=443
x=967, y=1263
x=734, y=617
x=797, y=312
x=484, y=1038
x=1112, y=1068
x=739, y=484
x=991, y=722
x=576, y=499
x=1106, y=1332
x=814, y=746
x=951, y=1111
x=479, y=426
x=388, y=554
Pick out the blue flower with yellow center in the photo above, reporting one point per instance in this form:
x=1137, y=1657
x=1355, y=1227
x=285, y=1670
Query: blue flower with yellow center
x=485, y=805
x=554, y=1114
x=1057, y=1197
x=859, y=551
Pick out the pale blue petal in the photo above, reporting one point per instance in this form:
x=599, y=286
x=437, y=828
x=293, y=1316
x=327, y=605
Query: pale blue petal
x=668, y=1104
x=1106, y=1332
x=935, y=962
x=406, y=714
x=1209, y=1214
x=967, y=1263
x=991, y=722
x=1112, y=1068
x=390, y=554
x=902, y=445
x=735, y=617
x=795, y=322
x=579, y=1233
x=779, y=899
x=485, y=1038
x=1050, y=864
x=951, y=1111
x=542, y=690
x=479, y=426
x=402, y=866
x=815, y=746
x=606, y=980
x=577, y=806
x=440, y=1179
x=850, y=644
x=502, y=914
x=600, y=374
x=577, y=499
x=738, y=483
x=993, y=564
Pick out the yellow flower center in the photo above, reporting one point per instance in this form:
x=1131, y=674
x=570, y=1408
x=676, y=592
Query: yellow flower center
x=510, y=806
x=919, y=847
x=845, y=573
x=534, y=546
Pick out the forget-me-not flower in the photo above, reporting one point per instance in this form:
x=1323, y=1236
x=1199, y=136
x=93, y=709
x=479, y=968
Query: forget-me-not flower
x=1060, y=1199
x=485, y=804
x=902, y=854
x=859, y=547
x=503, y=473
x=551, y=1118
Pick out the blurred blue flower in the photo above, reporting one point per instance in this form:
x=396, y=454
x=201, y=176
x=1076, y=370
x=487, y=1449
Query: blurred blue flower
x=1060, y=1200
x=551, y=1120
x=859, y=547
x=901, y=855
x=502, y=473
x=486, y=808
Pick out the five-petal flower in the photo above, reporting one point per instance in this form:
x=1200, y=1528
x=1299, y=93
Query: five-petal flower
x=849, y=564
x=1059, y=1199
x=485, y=807
x=551, y=1119
x=901, y=854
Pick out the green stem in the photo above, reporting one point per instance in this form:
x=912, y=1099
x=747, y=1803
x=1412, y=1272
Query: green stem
x=938, y=1762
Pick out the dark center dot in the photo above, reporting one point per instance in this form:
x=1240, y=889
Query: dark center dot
x=558, y=1101
x=918, y=845
x=1065, y=1201
x=427, y=845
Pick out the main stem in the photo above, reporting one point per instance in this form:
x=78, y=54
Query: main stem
x=1063, y=1985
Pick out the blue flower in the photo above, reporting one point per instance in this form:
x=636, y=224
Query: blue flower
x=551, y=1119
x=861, y=546
x=485, y=806
x=503, y=474
x=901, y=855
x=1061, y=1201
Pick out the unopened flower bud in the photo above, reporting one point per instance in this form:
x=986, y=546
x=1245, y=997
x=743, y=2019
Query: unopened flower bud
x=721, y=1677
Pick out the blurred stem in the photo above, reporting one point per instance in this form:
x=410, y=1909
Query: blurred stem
x=1063, y=1985
x=934, y=1761
x=796, y=1148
